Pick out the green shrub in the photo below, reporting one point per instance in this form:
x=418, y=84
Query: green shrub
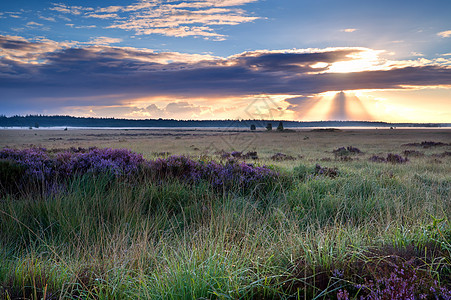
x=11, y=174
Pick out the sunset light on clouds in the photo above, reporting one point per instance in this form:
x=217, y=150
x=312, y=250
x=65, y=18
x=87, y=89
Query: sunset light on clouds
x=211, y=59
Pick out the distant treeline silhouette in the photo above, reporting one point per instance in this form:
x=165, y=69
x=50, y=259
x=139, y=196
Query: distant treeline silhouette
x=70, y=121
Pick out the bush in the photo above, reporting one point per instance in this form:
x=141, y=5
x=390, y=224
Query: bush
x=396, y=159
x=342, y=151
x=230, y=175
x=11, y=175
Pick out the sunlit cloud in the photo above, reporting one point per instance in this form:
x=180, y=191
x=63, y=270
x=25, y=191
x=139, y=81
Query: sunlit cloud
x=74, y=10
x=364, y=60
x=51, y=19
x=102, y=40
x=104, y=16
x=169, y=18
x=16, y=48
x=31, y=24
x=444, y=34
x=348, y=30
x=81, y=26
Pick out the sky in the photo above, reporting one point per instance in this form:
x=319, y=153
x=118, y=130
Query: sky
x=228, y=59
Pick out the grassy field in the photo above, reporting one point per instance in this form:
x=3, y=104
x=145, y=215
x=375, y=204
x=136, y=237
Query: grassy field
x=331, y=226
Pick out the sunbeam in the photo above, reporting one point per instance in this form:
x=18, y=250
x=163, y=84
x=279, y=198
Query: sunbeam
x=358, y=109
x=347, y=107
x=339, y=108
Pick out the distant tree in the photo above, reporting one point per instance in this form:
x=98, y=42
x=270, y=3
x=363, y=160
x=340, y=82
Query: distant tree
x=269, y=127
x=280, y=126
x=253, y=127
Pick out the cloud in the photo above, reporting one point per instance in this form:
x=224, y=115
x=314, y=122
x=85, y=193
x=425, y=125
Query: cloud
x=413, y=53
x=153, y=108
x=13, y=14
x=104, y=16
x=103, y=40
x=20, y=50
x=32, y=24
x=31, y=71
x=444, y=34
x=51, y=19
x=182, y=107
x=169, y=18
x=348, y=30
x=74, y=10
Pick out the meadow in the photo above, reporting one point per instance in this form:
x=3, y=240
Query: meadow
x=205, y=214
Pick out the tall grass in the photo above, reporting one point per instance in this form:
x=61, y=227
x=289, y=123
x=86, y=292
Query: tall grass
x=310, y=236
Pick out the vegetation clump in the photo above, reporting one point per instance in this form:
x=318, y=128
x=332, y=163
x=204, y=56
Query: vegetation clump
x=232, y=174
x=391, y=158
x=396, y=159
x=392, y=274
x=427, y=144
x=324, y=171
x=342, y=151
x=304, y=172
x=251, y=155
x=237, y=154
x=443, y=154
x=11, y=174
x=38, y=165
x=377, y=158
x=413, y=153
x=282, y=157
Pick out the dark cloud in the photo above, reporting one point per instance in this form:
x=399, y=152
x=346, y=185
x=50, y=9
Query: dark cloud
x=104, y=74
x=292, y=61
x=15, y=44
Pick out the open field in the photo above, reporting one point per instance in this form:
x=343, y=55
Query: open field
x=308, y=143
x=345, y=229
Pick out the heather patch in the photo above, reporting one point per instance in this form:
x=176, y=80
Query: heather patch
x=413, y=153
x=380, y=273
x=227, y=175
x=238, y=155
x=426, y=144
x=391, y=158
x=22, y=167
x=325, y=171
x=377, y=158
x=345, y=153
x=442, y=154
x=281, y=157
x=396, y=159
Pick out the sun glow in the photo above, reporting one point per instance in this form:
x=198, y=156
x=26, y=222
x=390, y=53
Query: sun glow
x=362, y=61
